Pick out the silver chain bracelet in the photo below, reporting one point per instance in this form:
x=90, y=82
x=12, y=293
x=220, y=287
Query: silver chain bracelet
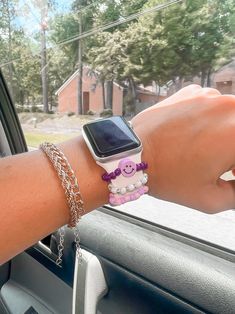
x=72, y=193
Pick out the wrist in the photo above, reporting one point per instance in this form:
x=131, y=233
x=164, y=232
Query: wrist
x=93, y=190
x=150, y=153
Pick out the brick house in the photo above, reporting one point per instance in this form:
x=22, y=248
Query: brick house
x=92, y=95
x=224, y=79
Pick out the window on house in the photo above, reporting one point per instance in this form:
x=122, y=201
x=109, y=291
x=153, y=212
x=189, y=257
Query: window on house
x=127, y=53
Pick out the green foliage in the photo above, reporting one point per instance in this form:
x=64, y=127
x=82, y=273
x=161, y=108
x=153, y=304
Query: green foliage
x=181, y=41
x=90, y=113
x=70, y=113
x=106, y=113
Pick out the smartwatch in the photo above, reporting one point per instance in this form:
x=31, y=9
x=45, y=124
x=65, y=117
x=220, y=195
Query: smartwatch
x=117, y=149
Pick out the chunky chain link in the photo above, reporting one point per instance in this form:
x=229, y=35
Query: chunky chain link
x=72, y=193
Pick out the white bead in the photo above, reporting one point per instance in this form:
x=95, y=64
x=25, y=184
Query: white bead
x=138, y=184
x=114, y=190
x=144, y=180
x=123, y=190
x=130, y=187
x=146, y=175
x=110, y=187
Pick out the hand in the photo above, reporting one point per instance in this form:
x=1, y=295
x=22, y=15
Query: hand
x=189, y=142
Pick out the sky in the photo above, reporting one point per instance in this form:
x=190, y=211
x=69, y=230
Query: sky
x=28, y=16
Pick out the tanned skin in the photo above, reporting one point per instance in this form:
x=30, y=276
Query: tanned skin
x=188, y=140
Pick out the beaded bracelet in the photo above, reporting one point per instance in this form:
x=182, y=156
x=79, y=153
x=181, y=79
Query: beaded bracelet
x=72, y=193
x=112, y=175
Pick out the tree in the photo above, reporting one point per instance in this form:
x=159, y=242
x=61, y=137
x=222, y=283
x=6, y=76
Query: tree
x=7, y=9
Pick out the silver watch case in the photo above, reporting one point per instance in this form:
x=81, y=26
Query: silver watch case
x=119, y=156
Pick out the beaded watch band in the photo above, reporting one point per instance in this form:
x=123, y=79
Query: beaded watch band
x=72, y=193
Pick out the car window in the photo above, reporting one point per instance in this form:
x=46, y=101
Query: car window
x=70, y=62
x=4, y=147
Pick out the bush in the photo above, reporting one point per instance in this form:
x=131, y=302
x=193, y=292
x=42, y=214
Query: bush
x=90, y=113
x=106, y=113
x=70, y=113
x=19, y=109
x=26, y=110
x=34, y=109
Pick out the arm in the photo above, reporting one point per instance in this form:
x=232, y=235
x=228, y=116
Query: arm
x=32, y=202
x=188, y=143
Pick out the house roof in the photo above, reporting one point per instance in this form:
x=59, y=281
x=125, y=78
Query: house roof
x=67, y=82
x=75, y=74
x=228, y=66
x=225, y=73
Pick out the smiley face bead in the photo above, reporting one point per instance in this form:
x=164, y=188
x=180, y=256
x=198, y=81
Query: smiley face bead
x=127, y=167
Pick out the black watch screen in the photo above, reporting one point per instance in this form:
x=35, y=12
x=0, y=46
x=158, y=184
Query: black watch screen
x=111, y=136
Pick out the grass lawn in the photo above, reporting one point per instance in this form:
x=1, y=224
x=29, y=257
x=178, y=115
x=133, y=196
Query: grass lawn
x=34, y=139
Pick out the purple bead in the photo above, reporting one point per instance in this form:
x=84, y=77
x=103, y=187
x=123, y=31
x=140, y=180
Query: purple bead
x=117, y=171
x=105, y=177
x=138, y=167
x=112, y=175
x=143, y=165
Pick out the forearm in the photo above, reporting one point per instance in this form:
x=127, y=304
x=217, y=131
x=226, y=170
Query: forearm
x=33, y=203
x=188, y=143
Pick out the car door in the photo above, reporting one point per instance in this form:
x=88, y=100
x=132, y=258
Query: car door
x=130, y=264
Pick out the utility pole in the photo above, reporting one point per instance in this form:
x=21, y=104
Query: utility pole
x=9, y=20
x=44, y=60
x=80, y=69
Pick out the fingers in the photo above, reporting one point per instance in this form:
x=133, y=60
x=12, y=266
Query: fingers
x=220, y=197
x=188, y=92
x=206, y=91
x=183, y=93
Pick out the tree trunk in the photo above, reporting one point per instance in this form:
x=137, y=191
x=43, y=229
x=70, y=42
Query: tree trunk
x=109, y=95
x=103, y=94
x=203, y=78
x=10, y=67
x=208, y=79
x=133, y=89
x=157, y=89
x=44, y=69
x=158, y=93
x=179, y=84
x=80, y=70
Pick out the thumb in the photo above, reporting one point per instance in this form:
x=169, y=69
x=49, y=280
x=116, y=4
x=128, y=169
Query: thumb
x=221, y=197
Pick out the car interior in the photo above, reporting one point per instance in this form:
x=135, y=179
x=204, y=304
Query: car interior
x=129, y=265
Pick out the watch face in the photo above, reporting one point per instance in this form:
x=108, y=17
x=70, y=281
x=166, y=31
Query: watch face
x=110, y=136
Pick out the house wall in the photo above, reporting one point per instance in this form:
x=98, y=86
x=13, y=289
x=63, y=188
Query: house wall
x=148, y=98
x=67, y=97
x=224, y=81
x=225, y=87
x=117, y=100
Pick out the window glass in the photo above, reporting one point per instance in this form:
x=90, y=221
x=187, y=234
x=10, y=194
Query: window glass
x=4, y=147
x=68, y=62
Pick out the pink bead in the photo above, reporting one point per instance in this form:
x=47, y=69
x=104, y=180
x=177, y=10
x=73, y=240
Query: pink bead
x=137, y=195
x=132, y=197
x=146, y=189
